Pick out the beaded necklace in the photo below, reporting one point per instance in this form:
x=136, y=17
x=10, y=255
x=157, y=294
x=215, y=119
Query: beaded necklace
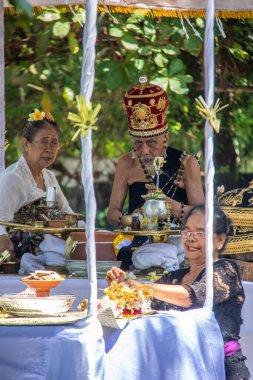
x=174, y=179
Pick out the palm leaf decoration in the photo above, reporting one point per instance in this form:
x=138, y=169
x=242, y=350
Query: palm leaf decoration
x=210, y=113
x=86, y=117
x=6, y=144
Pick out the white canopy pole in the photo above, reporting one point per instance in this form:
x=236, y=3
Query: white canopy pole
x=2, y=104
x=209, y=166
x=87, y=84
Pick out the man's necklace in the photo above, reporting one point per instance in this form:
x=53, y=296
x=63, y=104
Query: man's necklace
x=173, y=187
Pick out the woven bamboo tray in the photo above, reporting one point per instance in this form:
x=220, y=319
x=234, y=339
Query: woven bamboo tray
x=245, y=269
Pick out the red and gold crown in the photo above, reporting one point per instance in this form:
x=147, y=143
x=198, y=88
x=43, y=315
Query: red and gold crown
x=146, y=107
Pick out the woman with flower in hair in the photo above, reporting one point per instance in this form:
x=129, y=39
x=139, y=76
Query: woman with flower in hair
x=27, y=180
x=185, y=289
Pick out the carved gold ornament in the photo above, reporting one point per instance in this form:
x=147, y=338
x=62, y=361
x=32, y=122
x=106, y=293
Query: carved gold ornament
x=161, y=104
x=142, y=118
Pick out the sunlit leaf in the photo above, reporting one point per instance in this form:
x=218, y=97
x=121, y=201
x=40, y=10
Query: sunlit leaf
x=61, y=29
x=162, y=82
x=68, y=95
x=139, y=64
x=49, y=16
x=115, y=32
x=171, y=50
x=161, y=60
x=129, y=42
x=134, y=28
x=176, y=85
x=73, y=43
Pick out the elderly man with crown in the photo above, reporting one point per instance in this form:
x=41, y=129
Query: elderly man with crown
x=146, y=107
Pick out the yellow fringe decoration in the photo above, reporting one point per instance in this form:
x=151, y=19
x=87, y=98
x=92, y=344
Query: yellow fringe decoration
x=155, y=12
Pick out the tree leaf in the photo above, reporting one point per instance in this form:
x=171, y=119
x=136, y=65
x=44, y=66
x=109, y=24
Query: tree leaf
x=22, y=5
x=49, y=16
x=149, y=31
x=112, y=72
x=134, y=28
x=161, y=60
x=129, y=42
x=176, y=85
x=171, y=50
x=193, y=45
x=115, y=32
x=161, y=81
x=139, y=64
x=61, y=29
x=145, y=50
x=73, y=43
x=176, y=66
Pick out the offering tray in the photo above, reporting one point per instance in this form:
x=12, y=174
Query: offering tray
x=38, y=228
x=63, y=319
x=155, y=236
x=32, y=306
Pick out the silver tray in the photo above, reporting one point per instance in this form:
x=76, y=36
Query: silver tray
x=63, y=319
x=31, y=306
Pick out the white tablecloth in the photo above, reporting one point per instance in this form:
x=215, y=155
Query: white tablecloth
x=79, y=287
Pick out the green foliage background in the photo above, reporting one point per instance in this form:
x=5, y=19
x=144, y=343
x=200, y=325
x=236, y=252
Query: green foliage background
x=43, y=67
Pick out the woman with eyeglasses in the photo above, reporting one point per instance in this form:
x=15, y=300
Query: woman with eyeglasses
x=27, y=180
x=185, y=289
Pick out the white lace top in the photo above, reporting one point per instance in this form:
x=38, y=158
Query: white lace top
x=18, y=188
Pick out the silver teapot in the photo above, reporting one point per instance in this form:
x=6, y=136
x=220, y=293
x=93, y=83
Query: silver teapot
x=156, y=207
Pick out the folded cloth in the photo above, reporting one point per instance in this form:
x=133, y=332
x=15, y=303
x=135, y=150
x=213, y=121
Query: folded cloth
x=162, y=255
x=29, y=263
x=53, y=250
x=52, y=254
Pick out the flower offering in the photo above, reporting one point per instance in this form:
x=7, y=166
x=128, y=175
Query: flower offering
x=126, y=302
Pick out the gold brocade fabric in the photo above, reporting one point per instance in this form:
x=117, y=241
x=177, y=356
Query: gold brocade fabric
x=37, y=211
x=238, y=206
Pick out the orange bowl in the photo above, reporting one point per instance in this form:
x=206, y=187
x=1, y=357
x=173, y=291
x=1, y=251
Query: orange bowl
x=42, y=287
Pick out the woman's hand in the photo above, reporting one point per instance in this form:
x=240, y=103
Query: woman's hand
x=133, y=284
x=150, y=187
x=115, y=274
x=6, y=244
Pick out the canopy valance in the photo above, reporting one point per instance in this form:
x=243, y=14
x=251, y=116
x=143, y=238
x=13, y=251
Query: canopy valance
x=154, y=8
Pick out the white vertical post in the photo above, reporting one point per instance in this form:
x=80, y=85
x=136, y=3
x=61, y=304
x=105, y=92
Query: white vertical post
x=209, y=166
x=87, y=84
x=2, y=89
